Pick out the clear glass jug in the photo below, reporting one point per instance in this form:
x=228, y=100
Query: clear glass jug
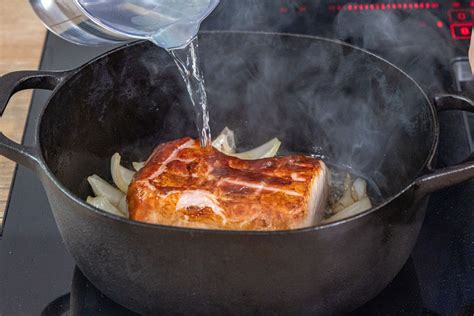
x=168, y=23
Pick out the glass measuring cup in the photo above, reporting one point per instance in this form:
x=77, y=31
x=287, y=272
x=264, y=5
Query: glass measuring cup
x=168, y=23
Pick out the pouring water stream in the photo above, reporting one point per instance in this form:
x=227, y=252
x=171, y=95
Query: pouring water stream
x=187, y=60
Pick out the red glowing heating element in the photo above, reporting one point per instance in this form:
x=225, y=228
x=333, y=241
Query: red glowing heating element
x=461, y=30
x=461, y=16
x=387, y=6
x=461, y=20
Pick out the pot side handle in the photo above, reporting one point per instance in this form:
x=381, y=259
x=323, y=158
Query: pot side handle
x=9, y=85
x=448, y=176
x=451, y=102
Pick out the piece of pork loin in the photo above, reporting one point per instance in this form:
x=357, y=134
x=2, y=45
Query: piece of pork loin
x=185, y=185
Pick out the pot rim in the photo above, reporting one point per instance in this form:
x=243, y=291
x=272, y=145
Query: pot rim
x=426, y=165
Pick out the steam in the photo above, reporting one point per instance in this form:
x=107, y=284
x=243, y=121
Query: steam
x=319, y=97
x=412, y=41
x=408, y=39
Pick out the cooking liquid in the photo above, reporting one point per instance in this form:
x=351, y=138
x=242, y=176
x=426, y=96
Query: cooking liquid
x=187, y=60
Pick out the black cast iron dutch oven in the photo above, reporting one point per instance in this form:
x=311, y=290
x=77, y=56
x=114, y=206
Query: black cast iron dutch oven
x=317, y=95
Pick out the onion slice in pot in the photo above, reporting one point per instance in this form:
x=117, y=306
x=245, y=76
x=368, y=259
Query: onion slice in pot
x=102, y=203
x=123, y=206
x=346, y=200
x=267, y=150
x=103, y=188
x=138, y=165
x=225, y=141
x=356, y=208
x=121, y=176
x=360, y=188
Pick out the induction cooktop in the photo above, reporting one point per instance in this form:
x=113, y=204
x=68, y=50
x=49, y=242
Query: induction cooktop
x=38, y=276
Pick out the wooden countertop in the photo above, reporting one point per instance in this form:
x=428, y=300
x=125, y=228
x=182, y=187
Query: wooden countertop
x=21, y=42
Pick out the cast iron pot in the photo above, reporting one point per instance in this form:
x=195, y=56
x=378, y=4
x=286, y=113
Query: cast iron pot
x=317, y=95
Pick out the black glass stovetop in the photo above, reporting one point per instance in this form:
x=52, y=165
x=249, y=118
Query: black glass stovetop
x=38, y=276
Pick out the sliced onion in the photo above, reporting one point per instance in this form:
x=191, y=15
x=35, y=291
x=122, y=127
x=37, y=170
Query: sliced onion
x=360, y=188
x=356, y=208
x=225, y=141
x=138, y=165
x=123, y=206
x=267, y=150
x=354, y=196
x=346, y=199
x=103, y=188
x=121, y=176
x=102, y=203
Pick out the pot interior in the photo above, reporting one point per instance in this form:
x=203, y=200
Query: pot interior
x=317, y=96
